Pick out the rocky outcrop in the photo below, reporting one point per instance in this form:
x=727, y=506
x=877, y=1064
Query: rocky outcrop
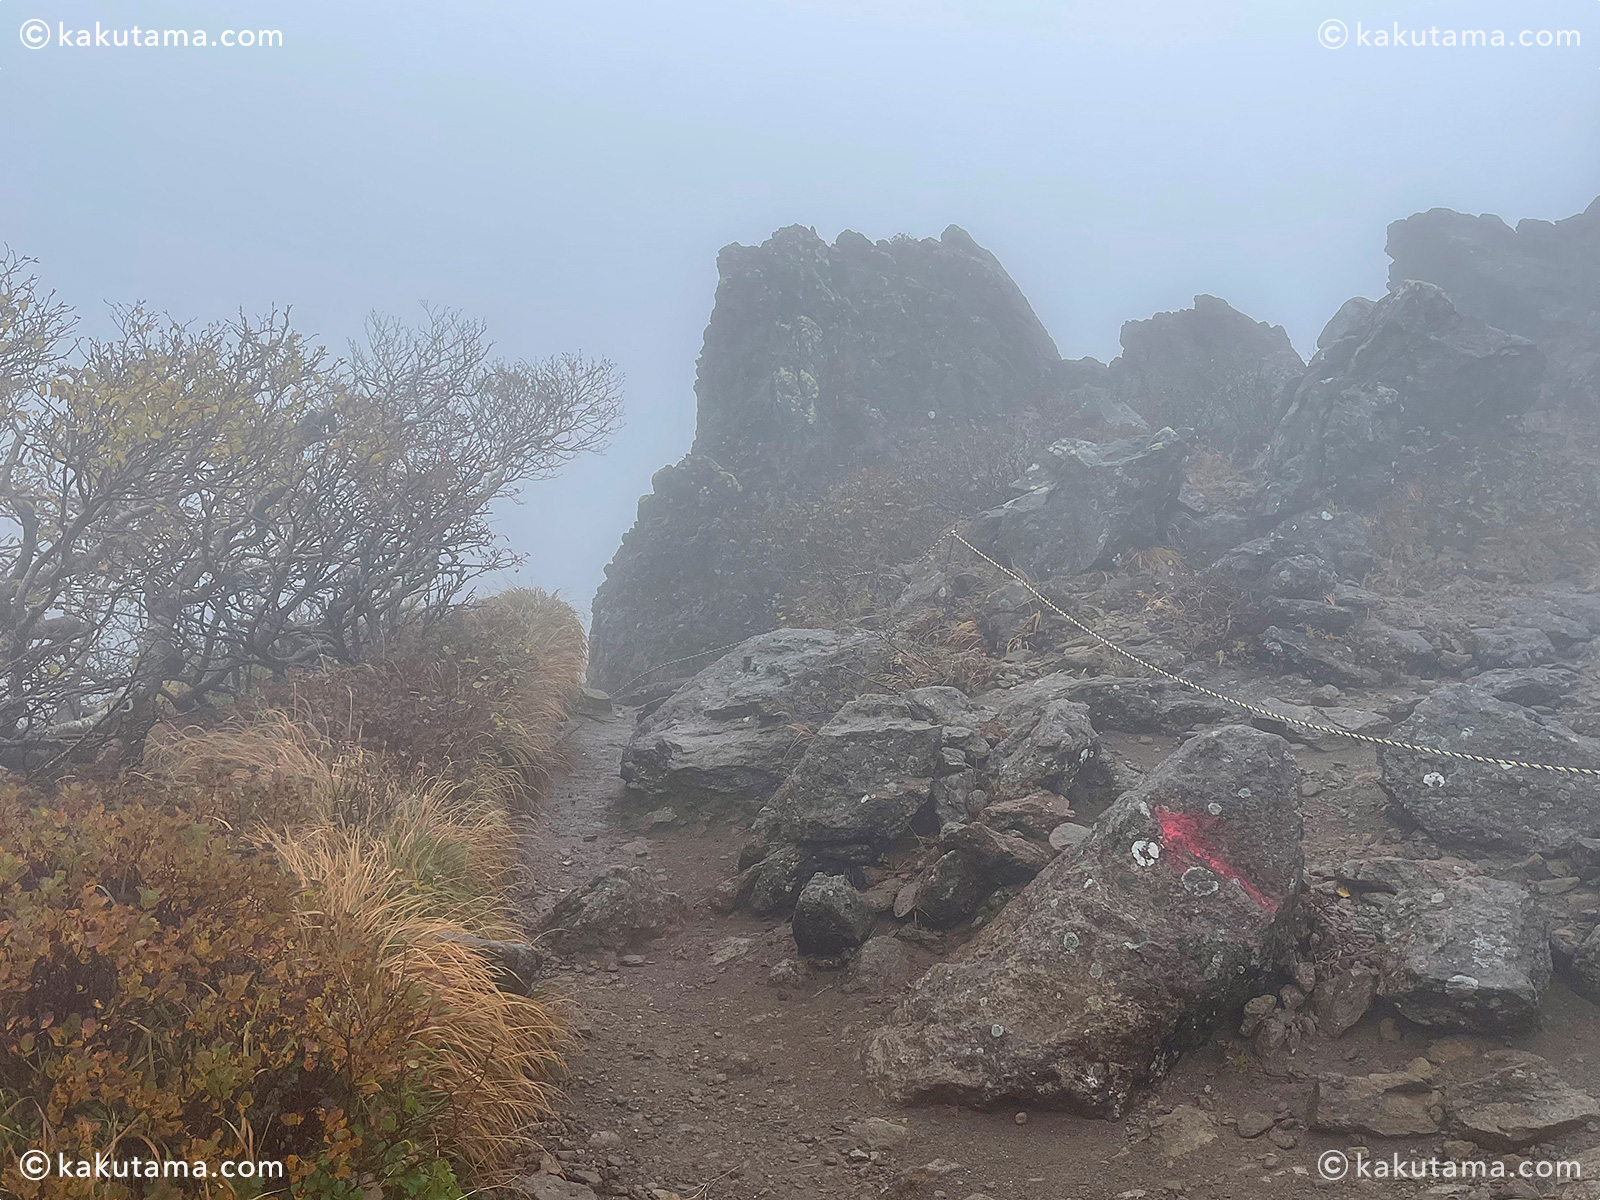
x=1085, y=503
x=1540, y=280
x=818, y=359
x=725, y=741
x=1481, y=806
x=1413, y=362
x=1123, y=951
x=1208, y=368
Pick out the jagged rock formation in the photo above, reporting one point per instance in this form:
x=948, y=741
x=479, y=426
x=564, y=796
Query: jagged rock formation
x=1412, y=362
x=817, y=359
x=1210, y=368
x=1540, y=280
x=1087, y=502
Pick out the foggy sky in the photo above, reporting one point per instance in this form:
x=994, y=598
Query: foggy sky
x=567, y=173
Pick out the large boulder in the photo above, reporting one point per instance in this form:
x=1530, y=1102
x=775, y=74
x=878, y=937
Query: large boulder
x=1482, y=806
x=819, y=359
x=1085, y=503
x=863, y=778
x=1540, y=279
x=1413, y=362
x=1457, y=953
x=1122, y=952
x=1209, y=368
x=726, y=740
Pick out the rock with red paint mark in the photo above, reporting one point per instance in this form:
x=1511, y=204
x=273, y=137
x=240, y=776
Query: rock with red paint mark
x=1126, y=949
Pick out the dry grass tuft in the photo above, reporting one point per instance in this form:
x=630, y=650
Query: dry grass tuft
x=491, y=1052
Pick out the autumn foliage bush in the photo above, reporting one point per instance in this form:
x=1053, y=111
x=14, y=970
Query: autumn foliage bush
x=261, y=944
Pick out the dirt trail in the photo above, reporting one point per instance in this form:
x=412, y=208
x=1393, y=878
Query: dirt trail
x=699, y=1076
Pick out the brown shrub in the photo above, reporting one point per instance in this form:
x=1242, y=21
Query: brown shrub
x=488, y=686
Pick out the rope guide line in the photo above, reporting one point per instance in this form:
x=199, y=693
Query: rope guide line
x=1258, y=710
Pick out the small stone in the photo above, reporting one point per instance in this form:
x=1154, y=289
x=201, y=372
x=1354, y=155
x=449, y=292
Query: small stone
x=631, y=960
x=553, y=1187
x=1021, y=1118
x=1182, y=1131
x=876, y=1133
x=1283, y=1139
x=1253, y=1124
x=604, y=1140
x=1388, y=1030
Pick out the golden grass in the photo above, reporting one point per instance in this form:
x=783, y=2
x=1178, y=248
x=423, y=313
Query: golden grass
x=493, y=1053
x=403, y=856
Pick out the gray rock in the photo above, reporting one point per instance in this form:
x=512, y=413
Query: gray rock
x=944, y=894
x=1182, y=1131
x=1512, y=646
x=831, y=917
x=1584, y=969
x=1006, y=615
x=1395, y=650
x=1318, y=659
x=1128, y=704
x=863, y=778
x=728, y=738
x=516, y=965
x=1467, y=805
x=1469, y=954
x=1067, y=835
x=619, y=908
x=1527, y=686
x=876, y=1133
x=1252, y=1124
x=1537, y=279
x=999, y=859
x=1209, y=368
x=1510, y=1099
x=1036, y=815
x=1122, y=951
x=1414, y=362
x=882, y=966
x=553, y=1187
x=1386, y=1104
x=1342, y=999
x=1088, y=503
x=1350, y=317
x=1045, y=749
